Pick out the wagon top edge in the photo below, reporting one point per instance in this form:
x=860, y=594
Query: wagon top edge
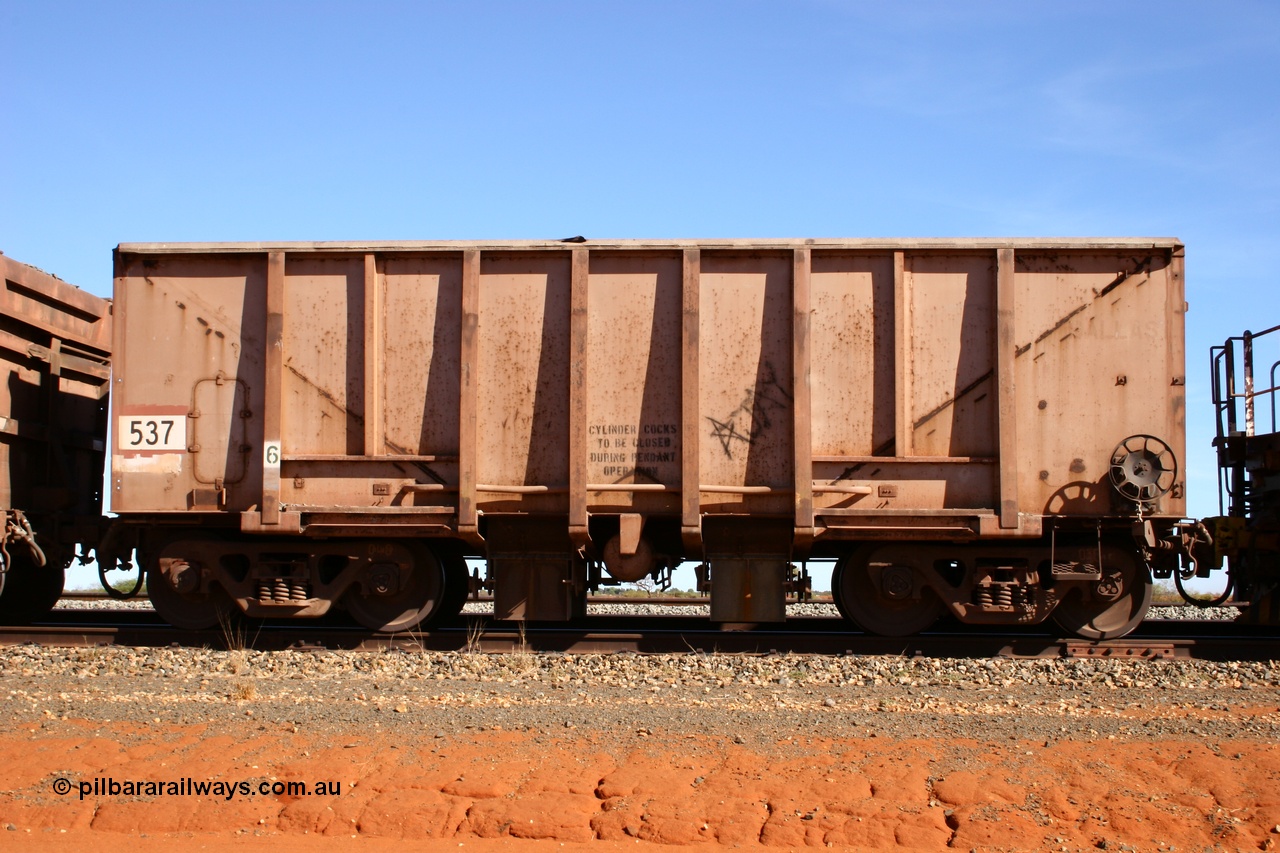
x=860, y=244
x=62, y=294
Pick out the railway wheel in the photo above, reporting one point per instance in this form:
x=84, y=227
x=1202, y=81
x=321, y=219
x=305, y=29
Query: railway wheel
x=30, y=591
x=392, y=598
x=184, y=607
x=1111, y=607
x=881, y=598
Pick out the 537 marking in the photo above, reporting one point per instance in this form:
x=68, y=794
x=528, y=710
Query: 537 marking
x=148, y=432
x=159, y=432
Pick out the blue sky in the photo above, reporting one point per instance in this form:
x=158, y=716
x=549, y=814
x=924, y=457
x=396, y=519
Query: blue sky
x=280, y=121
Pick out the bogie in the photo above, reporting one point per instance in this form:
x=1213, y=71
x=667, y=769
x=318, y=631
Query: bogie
x=1092, y=590
x=196, y=580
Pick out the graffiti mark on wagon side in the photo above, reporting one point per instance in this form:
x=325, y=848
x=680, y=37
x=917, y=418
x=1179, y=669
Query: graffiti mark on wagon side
x=760, y=405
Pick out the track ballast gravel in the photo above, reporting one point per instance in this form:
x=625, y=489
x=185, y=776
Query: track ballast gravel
x=1046, y=698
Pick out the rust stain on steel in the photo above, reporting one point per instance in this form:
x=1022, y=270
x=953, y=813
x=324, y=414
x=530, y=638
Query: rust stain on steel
x=1121, y=278
x=973, y=386
x=964, y=392
x=758, y=406
x=1144, y=266
x=1056, y=326
x=210, y=309
x=359, y=419
x=325, y=395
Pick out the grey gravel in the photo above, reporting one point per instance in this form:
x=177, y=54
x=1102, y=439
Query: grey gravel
x=757, y=697
x=103, y=604
x=685, y=671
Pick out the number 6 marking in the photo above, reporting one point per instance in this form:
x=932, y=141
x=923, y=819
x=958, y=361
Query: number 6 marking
x=273, y=455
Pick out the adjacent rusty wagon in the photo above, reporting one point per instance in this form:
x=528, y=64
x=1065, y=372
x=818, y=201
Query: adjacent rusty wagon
x=977, y=427
x=1245, y=538
x=55, y=345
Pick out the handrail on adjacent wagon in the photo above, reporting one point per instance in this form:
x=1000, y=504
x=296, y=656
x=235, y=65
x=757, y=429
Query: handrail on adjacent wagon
x=1223, y=376
x=1222, y=363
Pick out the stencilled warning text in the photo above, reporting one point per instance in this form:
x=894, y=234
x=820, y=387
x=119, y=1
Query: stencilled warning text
x=641, y=449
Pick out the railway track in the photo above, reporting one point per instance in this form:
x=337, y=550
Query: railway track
x=1156, y=639
x=655, y=600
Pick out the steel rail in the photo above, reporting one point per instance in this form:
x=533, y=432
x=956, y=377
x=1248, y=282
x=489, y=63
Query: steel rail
x=655, y=600
x=812, y=636
x=640, y=623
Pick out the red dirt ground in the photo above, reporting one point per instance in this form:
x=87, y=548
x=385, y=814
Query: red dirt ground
x=569, y=790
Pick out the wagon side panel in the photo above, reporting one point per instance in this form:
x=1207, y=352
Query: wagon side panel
x=1096, y=363
x=633, y=374
x=188, y=406
x=852, y=362
x=522, y=379
x=745, y=380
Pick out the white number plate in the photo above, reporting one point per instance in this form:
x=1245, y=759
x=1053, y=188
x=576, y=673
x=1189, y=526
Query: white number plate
x=152, y=432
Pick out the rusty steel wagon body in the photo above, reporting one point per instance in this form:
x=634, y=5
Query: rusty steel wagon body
x=55, y=345
x=986, y=427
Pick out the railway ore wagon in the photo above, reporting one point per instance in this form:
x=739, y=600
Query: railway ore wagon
x=989, y=428
x=55, y=345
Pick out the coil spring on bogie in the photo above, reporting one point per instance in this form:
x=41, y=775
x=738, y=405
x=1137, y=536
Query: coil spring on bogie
x=998, y=595
x=283, y=591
